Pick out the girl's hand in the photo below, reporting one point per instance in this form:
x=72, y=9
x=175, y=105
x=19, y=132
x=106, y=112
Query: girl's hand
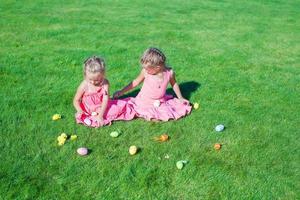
x=131, y=85
x=184, y=101
x=117, y=94
x=78, y=97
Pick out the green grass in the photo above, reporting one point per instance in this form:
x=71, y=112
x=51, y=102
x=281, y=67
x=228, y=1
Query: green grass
x=243, y=54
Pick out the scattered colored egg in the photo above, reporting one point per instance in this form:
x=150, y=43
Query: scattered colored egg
x=179, y=164
x=73, y=137
x=217, y=146
x=156, y=103
x=60, y=143
x=164, y=137
x=61, y=140
x=87, y=121
x=114, y=134
x=220, y=128
x=83, y=151
x=196, y=106
x=56, y=117
x=64, y=135
x=133, y=150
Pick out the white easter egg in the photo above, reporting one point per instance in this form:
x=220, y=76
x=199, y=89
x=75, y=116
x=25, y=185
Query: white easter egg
x=87, y=121
x=156, y=103
x=219, y=127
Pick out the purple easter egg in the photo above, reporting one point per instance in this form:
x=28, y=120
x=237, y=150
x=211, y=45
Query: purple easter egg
x=82, y=151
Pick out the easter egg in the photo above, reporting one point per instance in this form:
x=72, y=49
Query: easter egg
x=82, y=151
x=94, y=113
x=156, y=103
x=61, y=140
x=196, y=106
x=56, y=117
x=133, y=150
x=164, y=137
x=114, y=134
x=87, y=121
x=179, y=164
x=217, y=146
x=60, y=143
x=73, y=137
x=64, y=135
x=220, y=128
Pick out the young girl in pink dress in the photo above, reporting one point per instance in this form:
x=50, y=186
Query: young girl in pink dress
x=152, y=102
x=92, y=103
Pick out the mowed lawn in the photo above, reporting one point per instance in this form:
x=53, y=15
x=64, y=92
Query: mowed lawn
x=239, y=60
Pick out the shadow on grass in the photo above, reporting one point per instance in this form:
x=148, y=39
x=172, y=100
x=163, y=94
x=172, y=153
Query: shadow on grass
x=187, y=88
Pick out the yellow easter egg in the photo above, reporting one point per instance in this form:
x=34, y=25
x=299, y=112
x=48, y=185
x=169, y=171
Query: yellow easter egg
x=59, y=138
x=61, y=143
x=179, y=165
x=196, y=106
x=64, y=135
x=114, y=134
x=56, y=117
x=133, y=150
x=73, y=137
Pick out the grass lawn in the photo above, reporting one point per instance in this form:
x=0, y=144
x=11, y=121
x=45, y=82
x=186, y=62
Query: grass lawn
x=239, y=59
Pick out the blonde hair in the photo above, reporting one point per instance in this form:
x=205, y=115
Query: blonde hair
x=94, y=64
x=153, y=56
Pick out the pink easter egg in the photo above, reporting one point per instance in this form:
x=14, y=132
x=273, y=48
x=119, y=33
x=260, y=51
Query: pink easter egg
x=82, y=151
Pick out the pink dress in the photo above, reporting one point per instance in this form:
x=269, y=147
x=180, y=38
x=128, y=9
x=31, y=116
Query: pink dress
x=91, y=103
x=152, y=102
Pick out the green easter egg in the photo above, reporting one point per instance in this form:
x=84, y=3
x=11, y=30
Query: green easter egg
x=114, y=134
x=179, y=165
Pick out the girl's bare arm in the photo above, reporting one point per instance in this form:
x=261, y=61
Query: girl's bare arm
x=140, y=78
x=78, y=96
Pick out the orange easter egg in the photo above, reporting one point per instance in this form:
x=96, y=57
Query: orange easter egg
x=217, y=146
x=164, y=137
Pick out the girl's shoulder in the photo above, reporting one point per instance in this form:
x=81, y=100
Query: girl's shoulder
x=144, y=72
x=83, y=85
x=105, y=85
x=168, y=68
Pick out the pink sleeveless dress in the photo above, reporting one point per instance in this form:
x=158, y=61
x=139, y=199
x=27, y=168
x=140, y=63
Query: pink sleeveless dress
x=91, y=103
x=152, y=102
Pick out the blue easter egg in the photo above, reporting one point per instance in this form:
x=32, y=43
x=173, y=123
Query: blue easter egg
x=220, y=128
